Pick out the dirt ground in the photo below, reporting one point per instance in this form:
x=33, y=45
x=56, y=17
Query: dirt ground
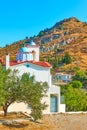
x=49, y=122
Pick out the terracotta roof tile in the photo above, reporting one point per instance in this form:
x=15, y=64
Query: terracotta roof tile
x=39, y=63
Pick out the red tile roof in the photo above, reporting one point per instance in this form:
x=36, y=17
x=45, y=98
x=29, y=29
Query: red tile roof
x=39, y=63
x=1, y=60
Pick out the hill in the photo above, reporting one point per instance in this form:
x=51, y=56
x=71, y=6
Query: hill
x=68, y=35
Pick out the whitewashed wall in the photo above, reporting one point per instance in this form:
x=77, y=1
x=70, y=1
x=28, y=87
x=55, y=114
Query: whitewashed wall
x=40, y=73
x=36, y=49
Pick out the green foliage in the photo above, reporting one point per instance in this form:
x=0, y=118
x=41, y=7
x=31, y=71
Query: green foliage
x=41, y=33
x=67, y=58
x=60, y=27
x=58, y=49
x=34, y=92
x=36, y=111
x=7, y=45
x=76, y=68
x=55, y=62
x=64, y=88
x=52, y=71
x=76, y=84
x=3, y=77
x=75, y=99
x=11, y=90
x=85, y=36
x=80, y=75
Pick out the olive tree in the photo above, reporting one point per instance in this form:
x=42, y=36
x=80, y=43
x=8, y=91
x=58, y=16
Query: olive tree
x=22, y=89
x=34, y=92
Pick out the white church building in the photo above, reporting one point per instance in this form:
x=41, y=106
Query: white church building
x=27, y=61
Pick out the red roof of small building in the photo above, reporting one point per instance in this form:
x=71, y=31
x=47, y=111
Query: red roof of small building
x=1, y=60
x=39, y=63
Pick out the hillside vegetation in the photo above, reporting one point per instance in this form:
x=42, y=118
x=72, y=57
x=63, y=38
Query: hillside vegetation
x=68, y=35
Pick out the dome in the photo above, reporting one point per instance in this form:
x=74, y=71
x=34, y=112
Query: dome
x=32, y=43
x=24, y=49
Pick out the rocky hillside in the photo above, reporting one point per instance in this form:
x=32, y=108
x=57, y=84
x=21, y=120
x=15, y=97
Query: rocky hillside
x=68, y=35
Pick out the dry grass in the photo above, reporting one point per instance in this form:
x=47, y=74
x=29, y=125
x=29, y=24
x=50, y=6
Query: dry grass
x=48, y=122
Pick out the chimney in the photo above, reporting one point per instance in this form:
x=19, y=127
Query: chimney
x=7, y=61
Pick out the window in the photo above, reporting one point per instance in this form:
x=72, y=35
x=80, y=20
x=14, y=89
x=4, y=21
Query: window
x=27, y=65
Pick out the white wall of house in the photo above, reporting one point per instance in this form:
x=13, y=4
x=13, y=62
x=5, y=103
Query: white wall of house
x=19, y=107
x=40, y=73
x=62, y=108
x=23, y=107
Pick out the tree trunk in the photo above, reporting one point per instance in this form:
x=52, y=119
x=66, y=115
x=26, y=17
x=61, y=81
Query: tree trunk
x=5, y=107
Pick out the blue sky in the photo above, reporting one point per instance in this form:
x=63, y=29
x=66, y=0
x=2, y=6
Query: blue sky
x=21, y=18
